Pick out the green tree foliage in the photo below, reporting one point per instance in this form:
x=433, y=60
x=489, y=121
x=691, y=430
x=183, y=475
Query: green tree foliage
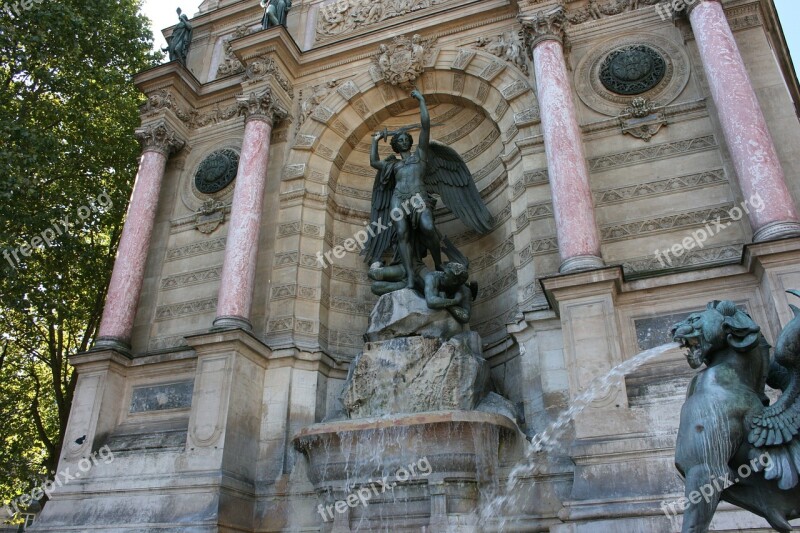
x=68, y=109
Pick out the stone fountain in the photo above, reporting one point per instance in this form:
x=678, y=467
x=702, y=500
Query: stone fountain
x=422, y=435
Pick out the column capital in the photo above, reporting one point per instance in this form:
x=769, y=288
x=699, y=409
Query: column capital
x=691, y=4
x=159, y=137
x=545, y=25
x=261, y=106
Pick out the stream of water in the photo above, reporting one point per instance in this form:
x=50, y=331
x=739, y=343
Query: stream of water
x=547, y=440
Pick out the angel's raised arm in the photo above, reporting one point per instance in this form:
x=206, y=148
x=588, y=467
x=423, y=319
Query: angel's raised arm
x=425, y=122
x=375, y=158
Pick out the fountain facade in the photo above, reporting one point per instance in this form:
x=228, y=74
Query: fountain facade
x=248, y=379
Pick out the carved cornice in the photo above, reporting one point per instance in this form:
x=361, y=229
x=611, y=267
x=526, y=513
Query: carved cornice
x=546, y=25
x=262, y=106
x=159, y=137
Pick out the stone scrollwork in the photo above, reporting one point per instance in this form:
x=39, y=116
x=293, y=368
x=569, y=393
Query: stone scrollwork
x=545, y=25
x=509, y=46
x=164, y=99
x=261, y=106
x=403, y=61
x=159, y=137
x=343, y=16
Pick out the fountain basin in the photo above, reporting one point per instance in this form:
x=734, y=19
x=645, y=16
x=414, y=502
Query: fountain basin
x=438, y=467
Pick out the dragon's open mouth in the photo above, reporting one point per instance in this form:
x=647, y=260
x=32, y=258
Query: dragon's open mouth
x=694, y=350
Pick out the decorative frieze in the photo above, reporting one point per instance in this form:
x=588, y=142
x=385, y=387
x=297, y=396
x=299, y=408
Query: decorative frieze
x=178, y=310
x=690, y=259
x=345, y=16
x=196, y=248
x=265, y=67
x=652, y=153
x=662, y=224
x=658, y=187
x=196, y=277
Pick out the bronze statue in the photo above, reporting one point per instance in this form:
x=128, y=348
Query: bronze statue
x=275, y=13
x=732, y=445
x=432, y=168
x=447, y=289
x=180, y=40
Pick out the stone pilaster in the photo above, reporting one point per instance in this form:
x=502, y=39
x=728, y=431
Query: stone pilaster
x=158, y=140
x=235, y=301
x=743, y=125
x=578, y=237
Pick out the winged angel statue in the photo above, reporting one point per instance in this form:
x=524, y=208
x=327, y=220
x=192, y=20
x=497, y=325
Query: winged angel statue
x=402, y=205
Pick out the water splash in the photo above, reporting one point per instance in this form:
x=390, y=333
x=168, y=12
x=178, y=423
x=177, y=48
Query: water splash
x=547, y=440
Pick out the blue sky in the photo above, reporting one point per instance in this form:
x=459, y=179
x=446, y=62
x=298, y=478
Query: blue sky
x=789, y=13
x=162, y=13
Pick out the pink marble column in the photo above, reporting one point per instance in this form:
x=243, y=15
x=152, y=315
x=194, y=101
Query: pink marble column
x=122, y=299
x=743, y=125
x=239, y=267
x=578, y=238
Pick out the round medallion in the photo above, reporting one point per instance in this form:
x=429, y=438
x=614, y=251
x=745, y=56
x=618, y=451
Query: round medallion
x=217, y=171
x=632, y=70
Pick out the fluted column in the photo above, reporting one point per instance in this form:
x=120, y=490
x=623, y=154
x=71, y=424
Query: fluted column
x=743, y=125
x=239, y=267
x=158, y=141
x=578, y=238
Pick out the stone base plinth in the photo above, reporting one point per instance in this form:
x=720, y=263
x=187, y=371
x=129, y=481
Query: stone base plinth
x=408, y=471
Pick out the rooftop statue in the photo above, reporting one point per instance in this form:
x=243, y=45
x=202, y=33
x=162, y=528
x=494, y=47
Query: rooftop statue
x=181, y=39
x=402, y=205
x=275, y=13
x=732, y=445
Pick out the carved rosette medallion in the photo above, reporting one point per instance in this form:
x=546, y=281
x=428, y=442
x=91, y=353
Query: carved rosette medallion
x=612, y=74
x=545, y=26
x=403, y=61
x=632, y=70
x=159, y=137
x=217, y=171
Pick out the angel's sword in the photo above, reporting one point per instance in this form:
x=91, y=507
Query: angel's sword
x=386, y=133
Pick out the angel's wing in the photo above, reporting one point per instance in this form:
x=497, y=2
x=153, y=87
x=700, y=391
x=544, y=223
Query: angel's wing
x=448, y=176
x=380, y=239
x=776, y=428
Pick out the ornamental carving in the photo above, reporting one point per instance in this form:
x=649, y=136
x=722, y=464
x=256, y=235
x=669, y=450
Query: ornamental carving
x=403, y=61
x=261, y=106
x=231, y=65
x=545, y=25
x=343, y=16
x=595, y=10
x=209, y=216
x=632, y=70
x=159, y=137
x=164, y=99
x=217, y=171
x=610, y=75
x=509, y=46
x=264, y=67
x=312, y=97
